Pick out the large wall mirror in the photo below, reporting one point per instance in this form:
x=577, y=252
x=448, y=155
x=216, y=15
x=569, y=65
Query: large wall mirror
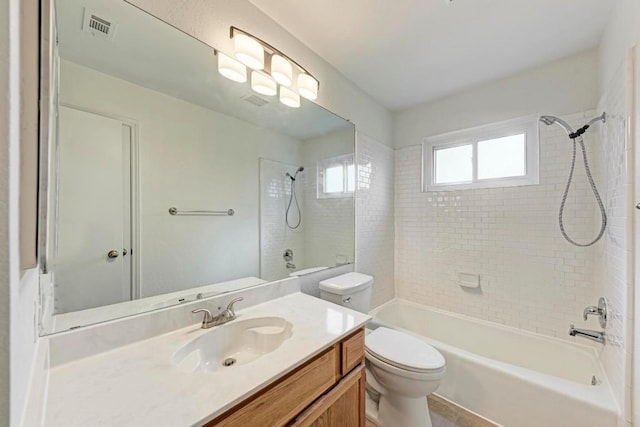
x=168, y=182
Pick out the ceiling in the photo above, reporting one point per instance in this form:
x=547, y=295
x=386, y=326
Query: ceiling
x=406, y=52
x=150, y=53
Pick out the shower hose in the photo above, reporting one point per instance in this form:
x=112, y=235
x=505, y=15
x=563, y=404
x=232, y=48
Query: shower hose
x=603, y=213
x=293, y=197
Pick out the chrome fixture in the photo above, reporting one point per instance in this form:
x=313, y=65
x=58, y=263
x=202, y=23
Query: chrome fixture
x=291, y=266
x=227, y=315
x=577, y=137
x=270, y=68
x=174, y=211
x=113, y=254
x=292, y=197
x=288, y=255
x=600, y=311
x=589, y=334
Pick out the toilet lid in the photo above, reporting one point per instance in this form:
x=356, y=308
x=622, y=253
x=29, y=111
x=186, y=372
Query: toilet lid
x=403, y=350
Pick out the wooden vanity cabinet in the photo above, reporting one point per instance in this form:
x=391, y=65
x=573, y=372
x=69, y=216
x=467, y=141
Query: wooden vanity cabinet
x=328, y=390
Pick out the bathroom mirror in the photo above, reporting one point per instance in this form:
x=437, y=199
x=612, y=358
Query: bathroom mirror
x=167, y=182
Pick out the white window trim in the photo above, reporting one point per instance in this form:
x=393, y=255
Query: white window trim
x=527, y=125
x=344, y=160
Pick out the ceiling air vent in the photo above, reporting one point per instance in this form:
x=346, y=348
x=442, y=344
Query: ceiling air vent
x=255, y=100
x=98, y=26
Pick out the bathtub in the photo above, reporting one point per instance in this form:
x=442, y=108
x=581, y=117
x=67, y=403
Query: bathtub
x=509, y=376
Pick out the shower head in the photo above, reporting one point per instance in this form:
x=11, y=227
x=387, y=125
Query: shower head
x=300, y=169
x=548, y=120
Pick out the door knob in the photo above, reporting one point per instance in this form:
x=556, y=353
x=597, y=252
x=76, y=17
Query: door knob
x=113, y=254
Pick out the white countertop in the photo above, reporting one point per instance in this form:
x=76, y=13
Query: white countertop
x=137, y=385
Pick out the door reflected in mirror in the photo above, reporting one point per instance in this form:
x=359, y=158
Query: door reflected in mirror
x=145, y=124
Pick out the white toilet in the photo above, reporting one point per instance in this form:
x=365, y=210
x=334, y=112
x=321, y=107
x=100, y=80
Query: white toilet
x=401, y=369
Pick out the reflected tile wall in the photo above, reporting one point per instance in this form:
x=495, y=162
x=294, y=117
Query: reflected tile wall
x=530, y=277
x=275, y=236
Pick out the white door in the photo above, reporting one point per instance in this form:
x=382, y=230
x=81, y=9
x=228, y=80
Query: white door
x=93, y=234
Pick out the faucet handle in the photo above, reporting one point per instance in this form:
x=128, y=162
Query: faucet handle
x=230, y=306
x=208, y=318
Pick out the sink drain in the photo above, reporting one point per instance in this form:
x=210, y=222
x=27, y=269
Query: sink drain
x=229, y=361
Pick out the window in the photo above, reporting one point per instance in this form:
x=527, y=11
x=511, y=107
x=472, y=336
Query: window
x=336, y=177
x=498, y=155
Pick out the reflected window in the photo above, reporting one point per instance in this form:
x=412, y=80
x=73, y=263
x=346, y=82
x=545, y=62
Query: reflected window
x=336, y=177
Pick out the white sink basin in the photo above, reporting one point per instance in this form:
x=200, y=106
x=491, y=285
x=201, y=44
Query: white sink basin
x=235, y=343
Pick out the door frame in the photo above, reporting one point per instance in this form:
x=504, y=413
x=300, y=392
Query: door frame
x=135, y=191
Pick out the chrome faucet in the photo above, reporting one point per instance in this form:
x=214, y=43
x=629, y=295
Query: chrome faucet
x=589, y=334
x=227, y=315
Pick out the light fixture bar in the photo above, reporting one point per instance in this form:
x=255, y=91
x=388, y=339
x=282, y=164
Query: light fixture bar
x=269, y=49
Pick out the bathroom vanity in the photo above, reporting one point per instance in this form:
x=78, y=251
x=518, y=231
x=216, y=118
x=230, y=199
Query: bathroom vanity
x=331, y=387
x=304, y=368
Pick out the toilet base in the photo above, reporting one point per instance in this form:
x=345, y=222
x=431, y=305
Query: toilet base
x=398, y=411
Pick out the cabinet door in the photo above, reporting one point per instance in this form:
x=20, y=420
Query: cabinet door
x=343, y=406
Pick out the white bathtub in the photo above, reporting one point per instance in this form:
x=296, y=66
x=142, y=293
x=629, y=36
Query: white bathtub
x=512, y=377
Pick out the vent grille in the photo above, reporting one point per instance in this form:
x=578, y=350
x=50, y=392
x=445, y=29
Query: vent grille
x=98, y=26
x=255, y=100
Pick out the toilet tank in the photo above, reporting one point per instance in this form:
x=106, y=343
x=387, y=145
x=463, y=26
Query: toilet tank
x=351, y=290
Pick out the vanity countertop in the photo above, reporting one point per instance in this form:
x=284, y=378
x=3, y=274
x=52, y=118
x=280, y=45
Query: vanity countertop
x=137, y=385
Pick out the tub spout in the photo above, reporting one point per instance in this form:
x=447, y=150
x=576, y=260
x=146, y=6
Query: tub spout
x=589, y=334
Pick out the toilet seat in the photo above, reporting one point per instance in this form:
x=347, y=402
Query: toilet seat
x=403, y=352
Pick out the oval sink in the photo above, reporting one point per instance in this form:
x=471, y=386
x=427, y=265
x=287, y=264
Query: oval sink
x=235, y=343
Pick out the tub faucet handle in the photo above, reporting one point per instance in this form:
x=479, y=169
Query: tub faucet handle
x=600, y=310
x=589, y=311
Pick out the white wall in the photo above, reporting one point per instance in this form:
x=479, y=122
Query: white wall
x=562, y=87
x=192, y=158
x=209, y=20
x=8, y=144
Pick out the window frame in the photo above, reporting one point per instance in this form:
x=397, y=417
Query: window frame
x=471, y=136
x=322, y=165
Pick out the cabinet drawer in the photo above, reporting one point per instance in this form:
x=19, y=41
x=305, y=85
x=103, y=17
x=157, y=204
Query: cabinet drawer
x=279, y=403
x=352, y=351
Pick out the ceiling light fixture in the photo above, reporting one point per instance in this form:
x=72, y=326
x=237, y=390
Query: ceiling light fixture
x=260, y=55
x=263, y=84
x=231, y=69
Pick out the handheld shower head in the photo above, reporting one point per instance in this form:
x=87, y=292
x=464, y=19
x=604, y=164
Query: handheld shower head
x=548, y=120
x=300, y=169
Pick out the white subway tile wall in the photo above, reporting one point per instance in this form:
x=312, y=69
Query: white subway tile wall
x=328, y=225
x=615, y=277
x=530, y=277
x=275, y=236
x=375, y=216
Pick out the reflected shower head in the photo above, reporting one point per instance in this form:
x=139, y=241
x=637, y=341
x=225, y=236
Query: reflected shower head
x=293, y=178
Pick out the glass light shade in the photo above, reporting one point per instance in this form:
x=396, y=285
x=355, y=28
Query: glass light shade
x=263, y=84
x=307, y=86
x=281, y=70
x=231, y=69
x=248, y=51
x=289, y=97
